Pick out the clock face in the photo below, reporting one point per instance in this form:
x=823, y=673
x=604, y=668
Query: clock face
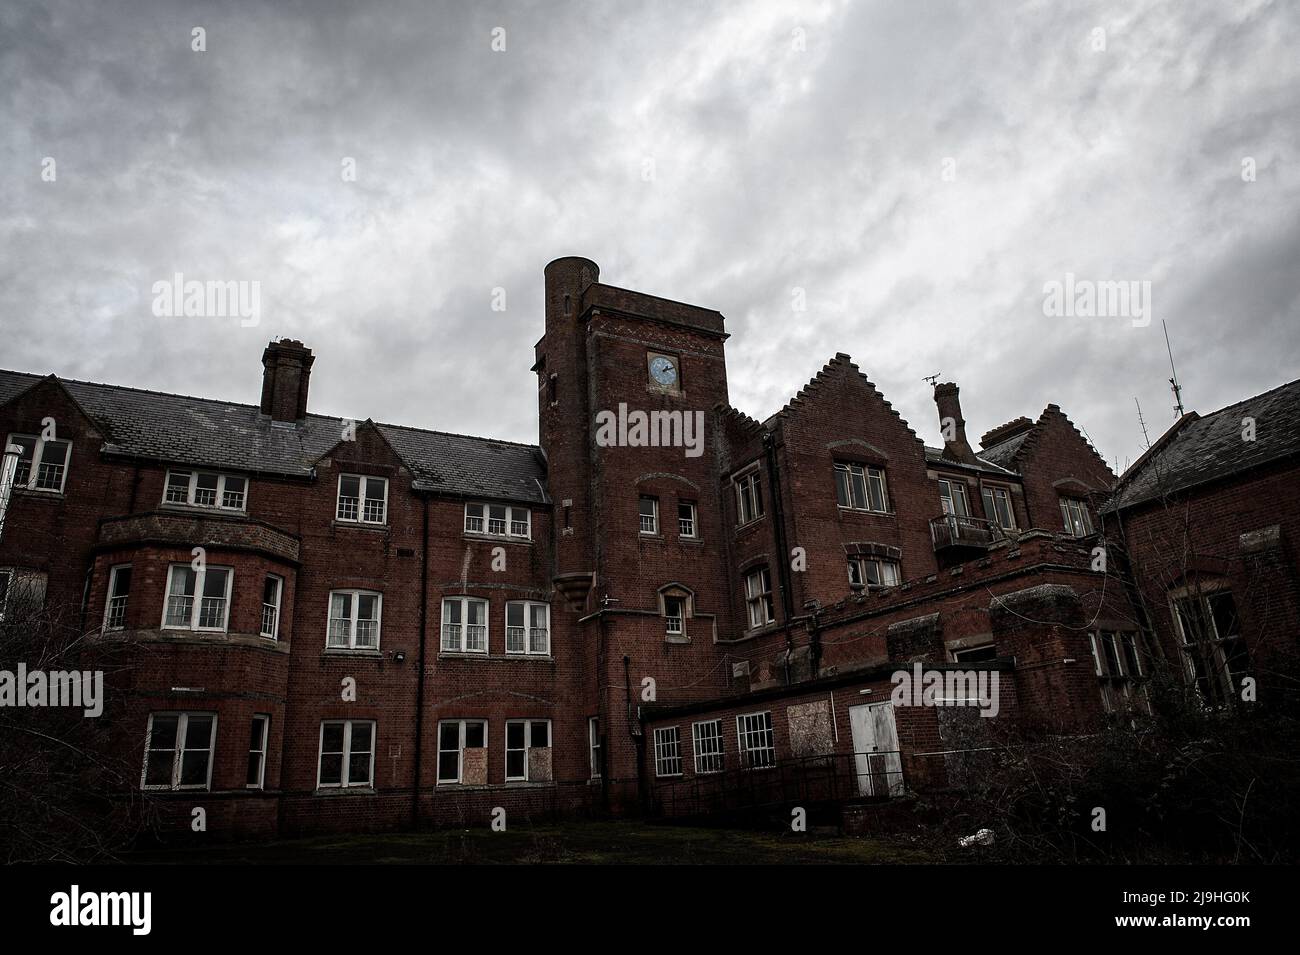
x=663, y=370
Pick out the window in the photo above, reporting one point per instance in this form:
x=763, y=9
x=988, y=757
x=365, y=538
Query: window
x=873, y=572
x=362, y=499
x=354, y=620
x=754, y=734
x=668, y=751
x=1214, y=651
x=211, y=585
x=499, y=520
x=706, y=738
x=257, y=737
x=952, y=495
x=593, y=742
x=1118, y=666
x=978, y=654
x=347, y=754
x=674, y=615
x=522, y=738
x=1075, y=514
x=686, y=519
x=528, y=627
x=749, y=498
x=454, y=737
x=272, y=588
x=464, y=625
x=758, y=597
x=42, y=465
x=119, y=588
x=205, y=489
x=649, y=514
x=860, y=487
x=997, y=507
x=178, y=751
x=6, y=579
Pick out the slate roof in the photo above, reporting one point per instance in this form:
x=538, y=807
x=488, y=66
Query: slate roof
x=219, y=434
x=1198, y=450
x=936, y=455
x=1004, y=452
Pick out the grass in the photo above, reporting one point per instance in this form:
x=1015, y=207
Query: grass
x=619, y=842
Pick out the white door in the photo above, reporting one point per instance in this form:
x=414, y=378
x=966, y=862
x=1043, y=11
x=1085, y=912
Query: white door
x=875, y=746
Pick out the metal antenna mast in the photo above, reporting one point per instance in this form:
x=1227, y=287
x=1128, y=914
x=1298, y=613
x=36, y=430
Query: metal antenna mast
x=1173, y=382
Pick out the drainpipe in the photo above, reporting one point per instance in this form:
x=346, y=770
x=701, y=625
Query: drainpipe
x=419, y=680
x=778, y=519
x=12, y=452
x=643, y=794
x=602, y=714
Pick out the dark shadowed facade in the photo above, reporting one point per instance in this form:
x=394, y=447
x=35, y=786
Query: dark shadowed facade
x=339, y=625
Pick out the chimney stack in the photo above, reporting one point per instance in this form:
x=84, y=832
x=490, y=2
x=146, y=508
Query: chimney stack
x=952, y=424
x=286, y=370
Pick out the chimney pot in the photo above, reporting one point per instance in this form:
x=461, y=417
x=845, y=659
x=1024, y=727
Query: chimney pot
x=286, y=372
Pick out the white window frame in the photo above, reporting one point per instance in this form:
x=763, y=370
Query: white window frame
x=653, y=529
x=593, y=745
x=345, y=768
x=952, y=490
x=752, y=727
x=114, y=604
x=529, y=631
x=684, y=602
x=859, y=577
x=668, y=751
x=1212, y=644
x=989, y=493
x=967, y=653
x=353, y=619
x=760, y=598
x=37, y=462
x=361, y=499
x=264, y=720
x=688, y=527
x=192, y=487
x=273, y=608
x=178, y=753
x=196, y=605
x=749, y=497
x=709, y=750
x=868, y=477
x=479, y=524
x=461, y=726
x=528, y=745
x=462, y=640
x=1072, y=507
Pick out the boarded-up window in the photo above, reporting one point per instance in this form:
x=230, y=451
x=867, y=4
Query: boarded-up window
x=811, y=732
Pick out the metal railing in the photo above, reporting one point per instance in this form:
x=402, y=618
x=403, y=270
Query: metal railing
x=949, y=530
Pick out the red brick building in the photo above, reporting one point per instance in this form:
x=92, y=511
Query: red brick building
x=352, y=625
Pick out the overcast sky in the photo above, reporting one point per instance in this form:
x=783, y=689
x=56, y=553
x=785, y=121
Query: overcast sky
x=919, y=170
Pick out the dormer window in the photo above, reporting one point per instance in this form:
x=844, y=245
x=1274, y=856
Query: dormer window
x=42, y=464
x=206, y=489
x=362, y=500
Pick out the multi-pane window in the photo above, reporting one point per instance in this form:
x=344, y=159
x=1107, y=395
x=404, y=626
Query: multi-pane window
x=1214, y=650
x=997, y=507
x=749, y=498
x=686, y=523
x=755, y=741
x=42, y=465
x=119, y=589
x=522, y=737
x=257, y=736
x=354, y=619
x=362, y=499
x=272, y=591
x=464, y=624
x=758, y=597
x=1074, y=513
x=454, y=737
x=593, y=745
x=178, y=751
x=952, y=495
x=499, y=520
x=1118, y=665
x=347, y=754
x=206, y=489
x=706, y=739
x=674, y=615
x=649, y=509
x=668, y=751
x=197, y=599
x=873, y=572
x=861, y=487
x=528, y=627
